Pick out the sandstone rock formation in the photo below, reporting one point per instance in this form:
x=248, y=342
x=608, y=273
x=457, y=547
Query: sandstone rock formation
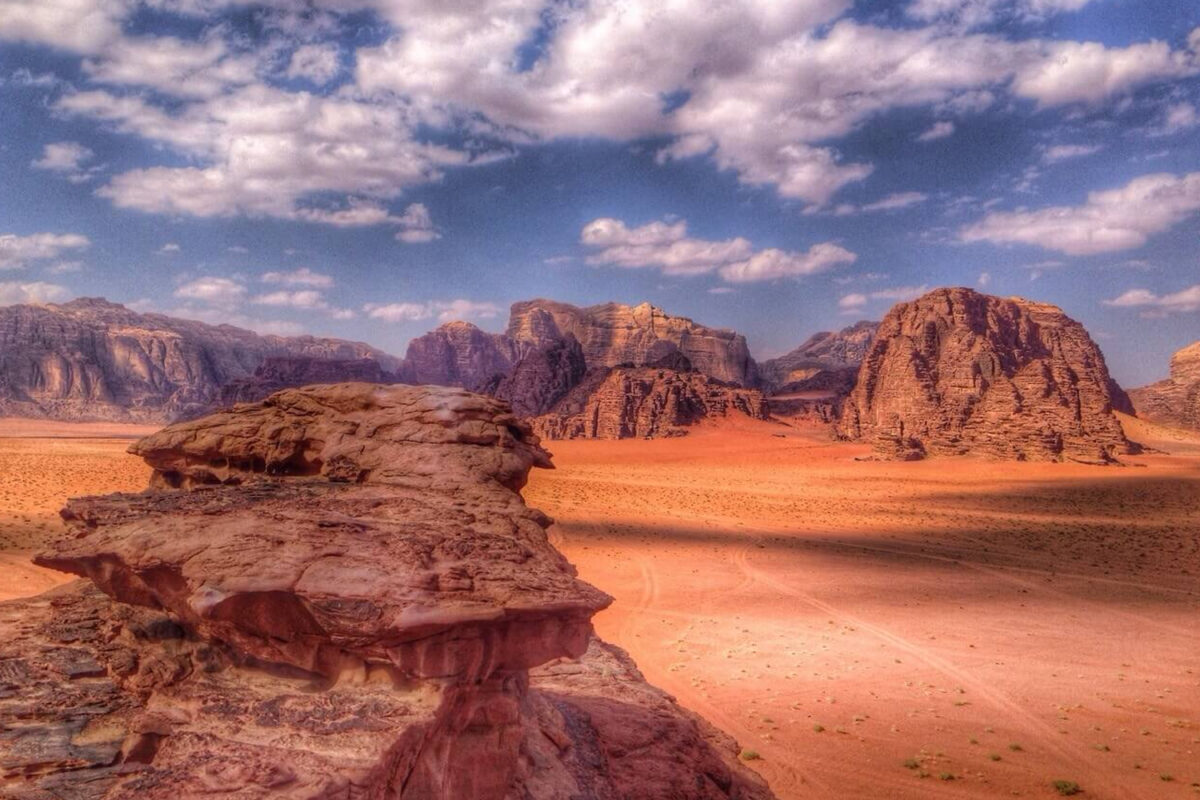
x=543, y=377
x=1176, y=400
x=335, y=593
x=957, y=372
x=613, y=334
x=827, y=362
x=458, y=354
x=91, y=359
x=644, y=402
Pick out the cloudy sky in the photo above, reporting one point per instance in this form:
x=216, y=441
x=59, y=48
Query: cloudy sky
x=368, y=168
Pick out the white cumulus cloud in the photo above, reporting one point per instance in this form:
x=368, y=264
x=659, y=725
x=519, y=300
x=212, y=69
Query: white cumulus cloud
x=35, y=292
x=1110, y=220
x=18, y=251
x=666, y=246
x=1185, y=300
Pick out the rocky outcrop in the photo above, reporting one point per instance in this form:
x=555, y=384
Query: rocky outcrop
x=644, y=402
x=285, y=372
x=1176, y=400
x=458, y=354
x=613, y=334
x=335, y=593
x=91, y=359
x=826, y=363
x=543, y=377
x=956, y=372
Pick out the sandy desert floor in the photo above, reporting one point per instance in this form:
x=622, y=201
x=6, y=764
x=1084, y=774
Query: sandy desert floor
x=875, y=630
x=951, y=628
x=43, y=463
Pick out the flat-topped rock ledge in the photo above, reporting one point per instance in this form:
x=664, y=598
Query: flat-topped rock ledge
x=335, y=593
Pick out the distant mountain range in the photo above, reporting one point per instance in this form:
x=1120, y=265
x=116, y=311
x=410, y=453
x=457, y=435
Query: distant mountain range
x=603, y=370
x=92, y=359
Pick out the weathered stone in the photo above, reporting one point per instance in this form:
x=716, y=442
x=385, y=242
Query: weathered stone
x=644, y=402
x=613, y=334
x=288, y=372
x=91, y=359
x=458, y=354
x=956, y=372
x=541, y=378
x=334, y=593
x=1176, y=400
x=826, y=362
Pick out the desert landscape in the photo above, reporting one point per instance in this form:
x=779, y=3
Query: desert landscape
x=599, y=399
x=948, y=628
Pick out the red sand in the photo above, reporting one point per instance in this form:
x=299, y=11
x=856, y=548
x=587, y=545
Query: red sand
x=1001, y=625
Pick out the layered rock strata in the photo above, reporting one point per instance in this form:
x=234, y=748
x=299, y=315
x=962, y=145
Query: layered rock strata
x=543, y=377
x=644, y=402
x=827, y=362
x=458, y=354
x=613, y=334
x=957, y=372
x=94, y=360
x=1176, y=400
x=334, y=593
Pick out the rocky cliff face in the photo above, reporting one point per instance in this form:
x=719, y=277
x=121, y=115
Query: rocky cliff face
x=335, y=593
x=91, y=359
x=643, y=402
x=957, y=372
x=459, y=354
x=826, y=362
x=1175, y=401
x=613, y=335
x=543, y=377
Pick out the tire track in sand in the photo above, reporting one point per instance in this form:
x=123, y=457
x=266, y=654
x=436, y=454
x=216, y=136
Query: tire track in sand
x=1043, y=733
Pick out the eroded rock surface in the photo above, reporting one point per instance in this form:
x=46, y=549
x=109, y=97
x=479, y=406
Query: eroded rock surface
x=334, y=593
x=613, y=334
x=827, y=362
x=1176, y=400
x=91, y=359
x=543, y=377
x=958, y=372
x=458, y=354
x=644, y=402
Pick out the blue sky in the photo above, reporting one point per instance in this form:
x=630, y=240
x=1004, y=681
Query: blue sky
x=369, y=168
